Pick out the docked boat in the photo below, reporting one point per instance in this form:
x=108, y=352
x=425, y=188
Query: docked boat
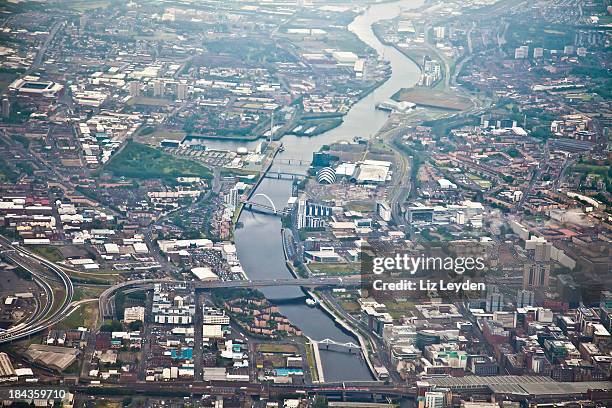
x=311, y=302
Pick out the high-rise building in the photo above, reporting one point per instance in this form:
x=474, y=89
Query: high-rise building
x=232, y=198
x=521, y=52
x=158, y=88
x=536, y=275
x=6, y=107
x=134, y=88
x=494, y=301
x=383, y=210
x=538, y=52
x=301, y=213
x=312, y=215
x=181, y=91
x=543, y=251
x=434, y=399
x=439, y=32
x=525, y=298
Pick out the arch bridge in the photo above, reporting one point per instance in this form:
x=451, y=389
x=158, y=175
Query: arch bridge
x=267, y=208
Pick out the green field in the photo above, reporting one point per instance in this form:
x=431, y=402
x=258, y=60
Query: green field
x=48, y=252
x=334, y=269
x=139, y=161
x=448, y=100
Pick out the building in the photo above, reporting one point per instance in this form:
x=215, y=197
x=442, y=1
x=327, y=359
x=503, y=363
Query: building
x=483, y=365
x=434, y=399
x=232, y=198
x=134, y=88
x=312, y=215
x=521, y=52
x=383, y=210
x=181, y=91
x=158, y=88
x=6, y=108
x=538, y=52
x=536, y=275
x=7, y=372
x=495, y=301
x=372, y=172
x=214, y=316
x=204, y=274
x=525, y=298
x=326, y=175
x=133, y=314
x=439, y=32
x=33, y=87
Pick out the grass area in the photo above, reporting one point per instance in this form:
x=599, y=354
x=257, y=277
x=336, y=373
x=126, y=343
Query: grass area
x=139, y=161
x=591, y=169
x=345, y=40
x=276, y=348
x=399, y=309
x=313, y=127
x=75, y=320
x=441, y=99
x=82, y=5
x=155, y=137
x=48, y=252
x=334, y=269
x=145, y=101
x=361, y=206
x=312, y=365
x=7, y=173
x=157, y=36
x=350, y=306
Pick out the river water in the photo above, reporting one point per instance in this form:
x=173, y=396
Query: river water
x=258, y=241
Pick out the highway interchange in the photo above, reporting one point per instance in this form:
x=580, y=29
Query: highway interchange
x=45, y=315
x=46, y=273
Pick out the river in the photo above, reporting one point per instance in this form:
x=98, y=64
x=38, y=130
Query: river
x=258, y=241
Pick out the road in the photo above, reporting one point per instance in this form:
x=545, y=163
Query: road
x=49, y=315
x=41, y=52
x=106, y=308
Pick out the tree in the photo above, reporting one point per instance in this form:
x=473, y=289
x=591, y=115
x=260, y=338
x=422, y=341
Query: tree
x=111, y=326
x=136, y=325
x=320, y=402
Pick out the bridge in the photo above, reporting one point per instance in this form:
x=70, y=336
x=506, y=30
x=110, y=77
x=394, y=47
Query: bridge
x=266, y=208
x=329, y=344
x=293, y=161
x=106, y=308
x=284, y=175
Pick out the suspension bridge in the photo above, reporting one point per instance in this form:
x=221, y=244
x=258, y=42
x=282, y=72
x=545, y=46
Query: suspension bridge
x=329, y=344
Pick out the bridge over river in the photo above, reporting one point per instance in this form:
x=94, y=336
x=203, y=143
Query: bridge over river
x=106, y=309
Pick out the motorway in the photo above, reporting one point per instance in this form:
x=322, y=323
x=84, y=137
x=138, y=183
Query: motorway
x=48, y=315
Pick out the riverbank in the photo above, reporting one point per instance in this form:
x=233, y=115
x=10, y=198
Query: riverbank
x=259, y=249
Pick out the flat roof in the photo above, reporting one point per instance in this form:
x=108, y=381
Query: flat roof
x=520, y=385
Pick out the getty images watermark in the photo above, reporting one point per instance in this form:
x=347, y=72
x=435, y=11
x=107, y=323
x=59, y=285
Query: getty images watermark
x=400, y=272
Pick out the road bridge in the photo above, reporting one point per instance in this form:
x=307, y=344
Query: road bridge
x=284, y=175
x=292, y=161
x=48, y=315
x=345, y=281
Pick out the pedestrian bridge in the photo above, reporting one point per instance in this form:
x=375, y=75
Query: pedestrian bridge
x=329, y=344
